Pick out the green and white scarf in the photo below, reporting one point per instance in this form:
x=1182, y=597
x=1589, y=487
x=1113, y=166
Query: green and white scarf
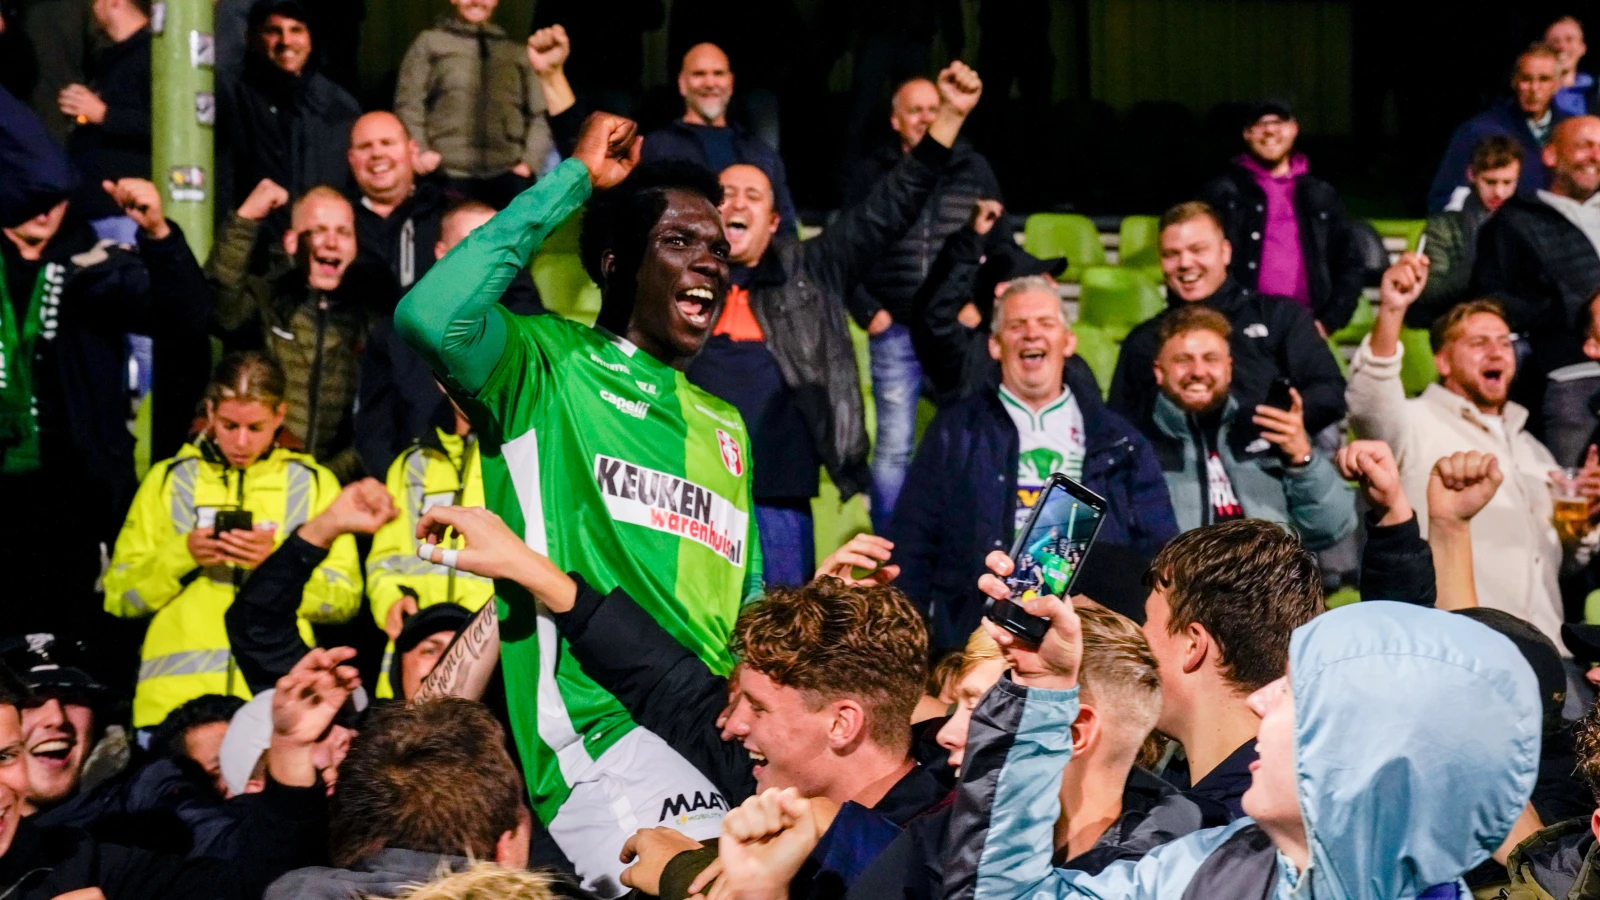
x=19, y=428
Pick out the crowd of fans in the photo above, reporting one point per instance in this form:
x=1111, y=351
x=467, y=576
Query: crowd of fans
x=602, y=656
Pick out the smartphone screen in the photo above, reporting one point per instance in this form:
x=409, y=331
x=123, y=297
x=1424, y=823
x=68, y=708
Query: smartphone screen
x=1052, y=548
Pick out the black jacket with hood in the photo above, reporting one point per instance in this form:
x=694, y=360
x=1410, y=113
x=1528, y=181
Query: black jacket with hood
x=1335, y=269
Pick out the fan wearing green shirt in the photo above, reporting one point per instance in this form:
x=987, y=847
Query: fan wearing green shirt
x=599, y=454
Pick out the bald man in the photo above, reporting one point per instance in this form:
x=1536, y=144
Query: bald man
x=397, y=217
x=312, y=311
x=399, y=402
x=881, y=302
x=703, y=135
x=1540, y=256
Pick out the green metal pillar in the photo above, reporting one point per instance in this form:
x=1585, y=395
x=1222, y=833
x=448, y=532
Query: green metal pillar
x=183, y=112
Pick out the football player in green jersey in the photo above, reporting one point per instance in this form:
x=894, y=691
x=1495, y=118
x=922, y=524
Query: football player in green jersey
x=599, y=454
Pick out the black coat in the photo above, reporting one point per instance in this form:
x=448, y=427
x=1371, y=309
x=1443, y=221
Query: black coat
x=118, y=147
x=1334, y=267
x=960, y=501
x=797, y=296
x=1272, y=337
x=293, y=130
x=1545, y=271
x=38, y=175
x=80, y=367
x=284, y=830
x=894, y=278
x=404, y=239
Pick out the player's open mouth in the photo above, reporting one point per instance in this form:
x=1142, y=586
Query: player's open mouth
x=694, y=305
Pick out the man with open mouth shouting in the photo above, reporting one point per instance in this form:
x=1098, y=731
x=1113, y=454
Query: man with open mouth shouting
x=780, y=352
x=1466, y=411
x=599, y=454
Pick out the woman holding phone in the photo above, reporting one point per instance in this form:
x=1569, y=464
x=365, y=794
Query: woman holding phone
x=202, y=521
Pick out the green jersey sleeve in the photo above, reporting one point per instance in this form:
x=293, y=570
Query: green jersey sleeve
x=451, y=316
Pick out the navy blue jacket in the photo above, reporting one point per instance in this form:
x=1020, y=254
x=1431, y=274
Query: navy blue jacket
x=676, y=140
x=959, y=502
x=1504, y=117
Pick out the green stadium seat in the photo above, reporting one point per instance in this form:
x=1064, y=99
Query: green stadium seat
x=1048, y=235
x=1410, y=229
x=1098, y=347
x=565, y=287
x=1417, y=370
x=1139, y=246
x=1116, y=299
x=1360, y=323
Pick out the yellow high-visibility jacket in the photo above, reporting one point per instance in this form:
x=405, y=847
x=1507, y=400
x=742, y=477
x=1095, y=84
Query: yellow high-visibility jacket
x=186, y=651
x=442, y=469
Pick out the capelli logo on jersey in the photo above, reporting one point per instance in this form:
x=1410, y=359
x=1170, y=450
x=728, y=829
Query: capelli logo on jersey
x=732, y=454
x=636, y=408
x=677, y=506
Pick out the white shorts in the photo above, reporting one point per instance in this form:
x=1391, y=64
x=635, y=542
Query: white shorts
x=639, y=783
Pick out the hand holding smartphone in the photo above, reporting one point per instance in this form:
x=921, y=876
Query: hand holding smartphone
x=1048, y=553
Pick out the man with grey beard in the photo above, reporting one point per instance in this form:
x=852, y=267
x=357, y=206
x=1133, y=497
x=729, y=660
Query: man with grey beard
x=704, y=135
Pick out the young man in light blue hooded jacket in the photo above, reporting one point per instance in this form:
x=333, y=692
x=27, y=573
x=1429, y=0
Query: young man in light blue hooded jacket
x=1395, y=756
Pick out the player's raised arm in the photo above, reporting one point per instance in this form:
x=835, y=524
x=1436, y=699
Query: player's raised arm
x=450, y=317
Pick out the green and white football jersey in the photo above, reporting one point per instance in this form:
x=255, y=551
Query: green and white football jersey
x=616, y=467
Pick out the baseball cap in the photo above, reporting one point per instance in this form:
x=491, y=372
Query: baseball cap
x=44, y=661
x=420, y=625
x=1583, y=640
x=1538, y=650
x=1275, y=107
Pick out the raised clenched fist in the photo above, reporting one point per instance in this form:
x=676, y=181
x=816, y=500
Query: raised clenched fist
x=548, y=49
x=959, y=87
x=609, y=146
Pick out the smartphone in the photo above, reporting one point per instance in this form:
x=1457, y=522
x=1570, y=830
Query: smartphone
x=1048, y=553
x=232, y=520
x=1278, y=394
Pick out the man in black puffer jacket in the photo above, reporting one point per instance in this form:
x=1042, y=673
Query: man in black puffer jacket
x=1289, y=231
x=881, y=303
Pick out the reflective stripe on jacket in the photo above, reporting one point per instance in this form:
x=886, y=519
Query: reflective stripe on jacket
x=186, y=650
x=440, y=470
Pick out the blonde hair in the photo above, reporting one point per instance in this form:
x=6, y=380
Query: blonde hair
x=1118, y=673
x=247, y=376
x=485, y=881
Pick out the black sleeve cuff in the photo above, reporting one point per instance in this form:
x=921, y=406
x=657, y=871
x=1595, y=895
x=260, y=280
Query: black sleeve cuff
x=683, y=869
x=303, y=804
x=932, y=154
x=1406, y=531
x=302, y=551
x=574, y=622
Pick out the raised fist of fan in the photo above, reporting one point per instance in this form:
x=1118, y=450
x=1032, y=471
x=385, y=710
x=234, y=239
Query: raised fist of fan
x=1461, y=485
x=1403, y=282
x=1372, y=464
x=609, y=147
x=959, y=87
x=140, y=201
x=548, y=49
x=984, y=214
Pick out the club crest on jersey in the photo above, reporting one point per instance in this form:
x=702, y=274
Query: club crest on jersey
x=732, y=455
x=665, y=502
